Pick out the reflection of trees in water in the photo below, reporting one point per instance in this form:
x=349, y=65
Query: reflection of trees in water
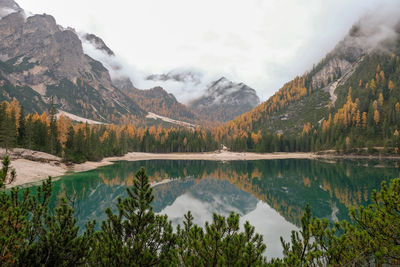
x=286, y=185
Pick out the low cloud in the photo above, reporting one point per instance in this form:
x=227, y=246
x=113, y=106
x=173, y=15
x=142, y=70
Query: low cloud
x=185, y=84
x=376, y=30
x=260, y=43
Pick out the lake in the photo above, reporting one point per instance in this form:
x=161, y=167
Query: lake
x=271, y=194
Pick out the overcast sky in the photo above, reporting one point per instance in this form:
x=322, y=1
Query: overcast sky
x=262, y=43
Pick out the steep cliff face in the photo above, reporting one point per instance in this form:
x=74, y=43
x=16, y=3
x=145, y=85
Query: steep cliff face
x=225, y=100
x=334, y=70
x=37, y=53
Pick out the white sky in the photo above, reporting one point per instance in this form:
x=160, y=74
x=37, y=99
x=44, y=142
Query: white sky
x=262, y=43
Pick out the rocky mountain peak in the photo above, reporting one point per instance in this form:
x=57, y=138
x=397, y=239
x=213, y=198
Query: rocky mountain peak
x=124, y=84
x=45, y=24
x=159, y=92
x=98, y=43
x=369, y=35
x=48, y=61
x=7, y=7
x=226, y=91
x=224, y=100
x=41, y=41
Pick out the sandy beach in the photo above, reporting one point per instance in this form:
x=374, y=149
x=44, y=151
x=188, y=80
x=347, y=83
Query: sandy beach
x=34, y=170
x=30, y=169
x=219, y=156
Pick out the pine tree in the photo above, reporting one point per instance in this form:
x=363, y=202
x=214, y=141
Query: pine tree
x=3, y=124
x=21, y=129
x=70, y=145
x=8, y=130
x=53, y=134
x=28, y=133
x=135, y=236
x=378, y=225
x=7, y=173
x=58, y=242
x=220, y=243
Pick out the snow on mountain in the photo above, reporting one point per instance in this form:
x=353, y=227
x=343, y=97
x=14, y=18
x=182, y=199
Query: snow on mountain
x=224, y=100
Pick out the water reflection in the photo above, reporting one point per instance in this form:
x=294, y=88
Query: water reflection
x=271, y=194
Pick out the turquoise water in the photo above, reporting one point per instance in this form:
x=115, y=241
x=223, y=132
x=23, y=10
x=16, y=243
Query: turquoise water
x=271, y=194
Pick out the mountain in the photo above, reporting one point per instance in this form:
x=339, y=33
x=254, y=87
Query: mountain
x=219, y=101
x=224, y=100
x=40, y=60
x=156, y=100
x=159, y=101
x=7, y=7
x=81, y=75
x=350, y=99
x=98, y=43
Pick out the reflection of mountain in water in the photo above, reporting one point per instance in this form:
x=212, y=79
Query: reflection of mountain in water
x=286, y=185
x=208, y=196
x=223, y=196
x=166, y=194
x=94, y=195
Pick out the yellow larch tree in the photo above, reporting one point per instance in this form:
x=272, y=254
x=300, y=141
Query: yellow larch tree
x=390, y=85
x=364, y=119
x=376, y=116
x=380, y=99
x=63, y=124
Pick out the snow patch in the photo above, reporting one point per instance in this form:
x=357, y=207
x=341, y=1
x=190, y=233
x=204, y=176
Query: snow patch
x=154, y=116
x=76, y=118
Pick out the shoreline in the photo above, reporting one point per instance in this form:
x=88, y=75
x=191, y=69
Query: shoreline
x=31, y=171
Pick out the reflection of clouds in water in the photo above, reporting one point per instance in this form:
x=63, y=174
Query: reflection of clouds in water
x=202, y=211
x=271, y=225
x=266, y=220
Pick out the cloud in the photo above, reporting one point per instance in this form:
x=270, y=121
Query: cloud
x=271, y=225
x=185, y=83
x=261, y=43
x=267, y=221
x=376, y=30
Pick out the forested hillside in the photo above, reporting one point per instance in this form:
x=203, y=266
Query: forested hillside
x=350, y=100
x=78, y=142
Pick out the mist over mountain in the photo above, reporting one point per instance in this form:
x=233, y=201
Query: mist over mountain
x=184, y=77
x=351, y=98
x=41, y=60
x=7, y=7
x=224, y=100
x=86, y=77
